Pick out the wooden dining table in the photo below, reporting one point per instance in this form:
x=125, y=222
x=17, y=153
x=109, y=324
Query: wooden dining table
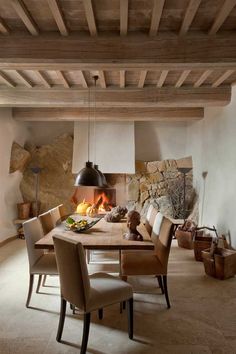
x=102, y=236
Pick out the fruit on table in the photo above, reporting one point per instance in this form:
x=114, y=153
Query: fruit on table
x=92, y=211
x=82, y=207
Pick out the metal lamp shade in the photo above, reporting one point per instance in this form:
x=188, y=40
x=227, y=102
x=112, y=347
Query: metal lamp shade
x=88, y=177
x=104, y=181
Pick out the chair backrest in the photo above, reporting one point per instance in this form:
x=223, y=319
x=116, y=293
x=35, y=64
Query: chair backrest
x=56, y=216
x=62, y=211
x=46, y=221
x=150, y=217
x=156, y=226
x=163, y=242
x=33, y=232
x=73, y=272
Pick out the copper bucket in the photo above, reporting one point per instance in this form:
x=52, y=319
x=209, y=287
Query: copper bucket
x=23, y=210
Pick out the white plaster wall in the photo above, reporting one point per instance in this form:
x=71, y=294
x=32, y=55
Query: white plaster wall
x=112, y=148
x=10, y=194
x=160, y=140
x=212, y=143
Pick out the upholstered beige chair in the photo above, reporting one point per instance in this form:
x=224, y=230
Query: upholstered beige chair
x=151, y=262
x=39, y=263
x=150, y=217
x=47, y=222
x=56, y=216
x=62, y=211
x=87, y=293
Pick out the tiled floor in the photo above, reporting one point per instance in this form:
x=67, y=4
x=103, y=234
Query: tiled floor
x=202, y=318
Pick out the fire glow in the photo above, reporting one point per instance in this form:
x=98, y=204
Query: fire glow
x=102, y=203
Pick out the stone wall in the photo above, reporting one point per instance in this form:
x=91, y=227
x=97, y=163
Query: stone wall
x=161, y=184
x=56, y=181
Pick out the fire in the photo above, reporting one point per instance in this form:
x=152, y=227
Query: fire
x=102, y=202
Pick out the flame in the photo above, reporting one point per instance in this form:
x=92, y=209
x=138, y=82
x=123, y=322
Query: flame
x=102, y=202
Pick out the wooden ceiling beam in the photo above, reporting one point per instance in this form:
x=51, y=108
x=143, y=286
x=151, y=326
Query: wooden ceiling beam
x=142, y=78
x=158, y=6
x=182, y=78
x=138, y=52
x=223, y=13
x=122, y=79
x=88, y=7
x=82, y=79
x=7, y=80
x=23, y=79
x=63, y=79
x=3, y=27
x=25, y=16
x=189, y=16
x=222, y=78
x=124, y=9
x=58, y=16
x=162, y=78
x=164, y=97
x=102, y=79
x=108, y=114
x=43, y=79
x=202, y=78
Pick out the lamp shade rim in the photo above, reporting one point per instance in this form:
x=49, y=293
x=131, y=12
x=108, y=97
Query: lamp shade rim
x=88, y=177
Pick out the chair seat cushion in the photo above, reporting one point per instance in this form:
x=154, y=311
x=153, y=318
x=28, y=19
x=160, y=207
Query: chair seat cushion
x=141, y=263
x=46, y=264
x=107, y=290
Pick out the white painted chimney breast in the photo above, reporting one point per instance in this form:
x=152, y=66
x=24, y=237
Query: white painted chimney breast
x=113, y=149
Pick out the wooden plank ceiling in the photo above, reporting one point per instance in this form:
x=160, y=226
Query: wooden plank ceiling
x=155, y=59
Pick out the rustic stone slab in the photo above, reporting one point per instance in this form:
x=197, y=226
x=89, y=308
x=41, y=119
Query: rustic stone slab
x=19, y=158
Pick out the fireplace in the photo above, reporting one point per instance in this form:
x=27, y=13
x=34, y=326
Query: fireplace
x=105, y=198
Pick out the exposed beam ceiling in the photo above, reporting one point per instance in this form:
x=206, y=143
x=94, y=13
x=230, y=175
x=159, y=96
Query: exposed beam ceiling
x=103, y=53
x=58, y=16
x=142, y=78
x=43, y=79
x=3, y=27
x=158, y=6
x=222, y=15
x=164, y=97
x=162, y=78
x=25, y=16
x=124, y=7
x=7, y=80
x=108, y=114
x=203, y=78
x=88, y=7
x=23, y=79
x=189, y=15
x=122, y=79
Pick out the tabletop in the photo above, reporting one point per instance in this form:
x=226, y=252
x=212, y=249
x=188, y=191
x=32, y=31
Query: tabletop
x=104, y=236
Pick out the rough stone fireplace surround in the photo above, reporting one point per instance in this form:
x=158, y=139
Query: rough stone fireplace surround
x=156, y=182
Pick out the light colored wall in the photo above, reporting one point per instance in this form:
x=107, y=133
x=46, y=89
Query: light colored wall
x=160, y=140
x=212, y=143
x=10, y=194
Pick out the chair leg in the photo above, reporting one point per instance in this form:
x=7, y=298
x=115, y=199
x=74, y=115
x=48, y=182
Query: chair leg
x=130, y=317
x=39, y=283
x=166, y=290
x=85, y=333
x=100, y=314
x=44, y=280
x=159, y=278
x=88, y=256
x=31, y=283
x=61, y=320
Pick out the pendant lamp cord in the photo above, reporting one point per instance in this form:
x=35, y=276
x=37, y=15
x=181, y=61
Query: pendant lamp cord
x=88, y=122
x=94, y=117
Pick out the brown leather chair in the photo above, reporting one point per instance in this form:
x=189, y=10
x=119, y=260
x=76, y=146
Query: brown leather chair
x=87, y=293
x=40, y=263
x=151, y=262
